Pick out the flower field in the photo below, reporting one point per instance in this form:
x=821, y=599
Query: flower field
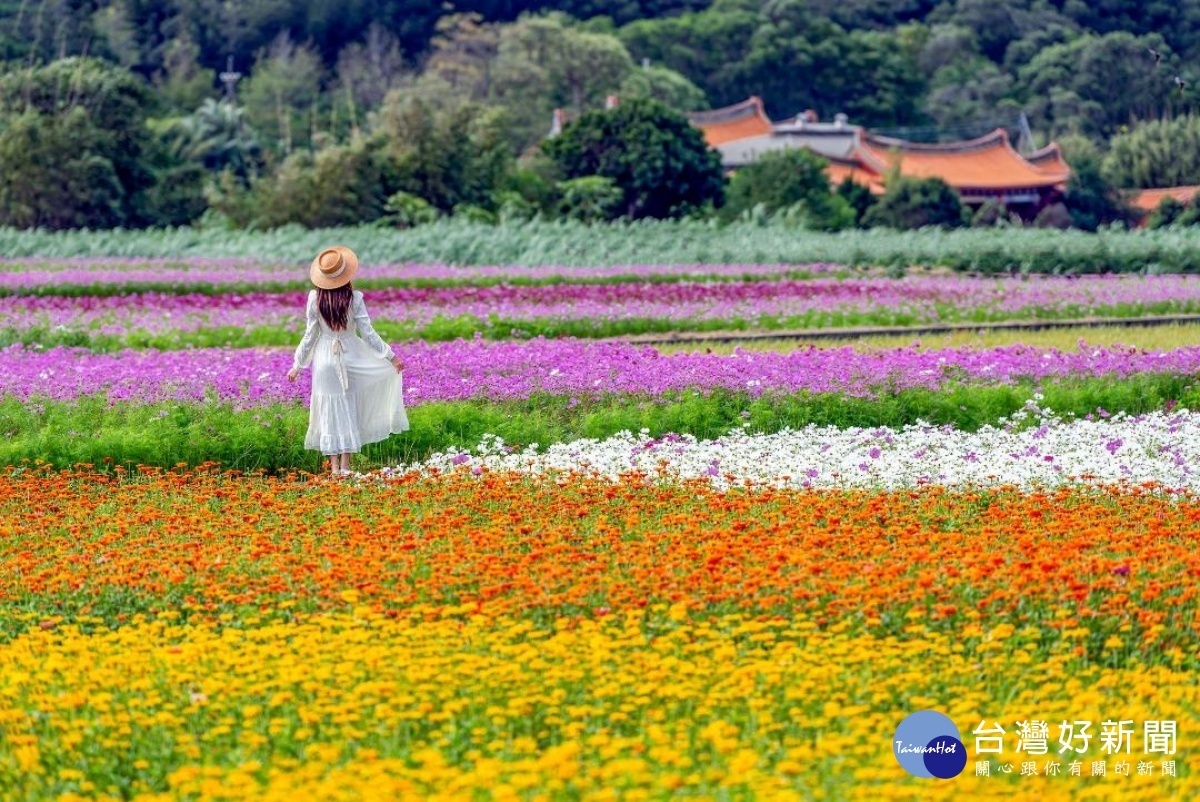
x=594, y=569
x=109, y=304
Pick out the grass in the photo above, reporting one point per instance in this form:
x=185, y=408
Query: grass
x=271, y=438
x=987, y=251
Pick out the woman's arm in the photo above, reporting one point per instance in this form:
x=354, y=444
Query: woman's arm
x=367, y=331
x=312, y=330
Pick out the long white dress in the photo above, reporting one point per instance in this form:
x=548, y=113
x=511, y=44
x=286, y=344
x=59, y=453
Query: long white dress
x=357, y=395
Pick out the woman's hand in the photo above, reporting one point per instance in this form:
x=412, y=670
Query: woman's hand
x=397, y=363
x=293, y=373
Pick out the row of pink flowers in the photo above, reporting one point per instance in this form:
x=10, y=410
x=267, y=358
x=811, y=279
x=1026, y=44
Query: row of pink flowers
x=466, y=369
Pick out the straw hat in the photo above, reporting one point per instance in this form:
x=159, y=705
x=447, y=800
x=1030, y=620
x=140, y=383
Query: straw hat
x=333, y=267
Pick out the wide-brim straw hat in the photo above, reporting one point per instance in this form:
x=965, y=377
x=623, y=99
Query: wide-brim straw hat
x=333, y=267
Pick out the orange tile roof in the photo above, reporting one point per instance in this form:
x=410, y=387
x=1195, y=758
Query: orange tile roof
x=988, y=162
x=739, y=121
x=839, y=170
x=1049, y=160
x=1148, y=199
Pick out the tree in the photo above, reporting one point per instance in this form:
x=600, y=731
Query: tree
x=282, y=90
x=1159, y=153
x=591, y=199
x=366, y=72
x=1167, y=212
x=1090, y=199
x=666, y=86
x=218, y=138
x=77, y=151
x=182, y=82
x=543, y=64
x=53, y=173
x=858, y=196
x=337, y=186
x=657, y=158
x=797, y=60
x=448, y=156
x=462, y=55
x=783, y=179
x=1098, y=84
x=993, y=23
x=706, y=47
x=916, y=203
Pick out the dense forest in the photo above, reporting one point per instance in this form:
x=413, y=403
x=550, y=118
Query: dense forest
x=131, y=112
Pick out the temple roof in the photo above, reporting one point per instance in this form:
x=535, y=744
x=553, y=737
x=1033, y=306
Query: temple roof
x=841, y=169
x=743, y=132
x=740, y=121
x=988, y=162
x=1148, y=199
x=1049, y=160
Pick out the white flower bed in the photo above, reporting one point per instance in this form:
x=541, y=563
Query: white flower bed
x=1034, y=448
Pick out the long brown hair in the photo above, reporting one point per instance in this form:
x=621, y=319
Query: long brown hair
x=335, y=305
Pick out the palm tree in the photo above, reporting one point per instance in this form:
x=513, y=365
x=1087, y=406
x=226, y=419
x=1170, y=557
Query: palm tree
x=217, y=136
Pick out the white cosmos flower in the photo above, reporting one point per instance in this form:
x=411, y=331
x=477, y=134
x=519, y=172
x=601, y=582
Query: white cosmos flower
x=1034, y=448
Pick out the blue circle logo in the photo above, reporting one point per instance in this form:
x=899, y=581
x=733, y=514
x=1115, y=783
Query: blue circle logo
x=927, y=744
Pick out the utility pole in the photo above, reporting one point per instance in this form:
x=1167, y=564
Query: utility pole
x=230, y=77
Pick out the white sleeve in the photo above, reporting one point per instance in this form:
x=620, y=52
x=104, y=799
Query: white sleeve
x=365, y=330
x=312, y=331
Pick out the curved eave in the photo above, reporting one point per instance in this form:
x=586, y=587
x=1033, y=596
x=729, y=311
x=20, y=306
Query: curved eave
x=986, y=163
x=739, y=121
x=1049, y=160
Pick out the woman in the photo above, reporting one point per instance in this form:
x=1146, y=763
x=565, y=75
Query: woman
x=357, y=396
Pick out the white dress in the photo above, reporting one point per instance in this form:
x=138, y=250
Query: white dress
x=357, y=395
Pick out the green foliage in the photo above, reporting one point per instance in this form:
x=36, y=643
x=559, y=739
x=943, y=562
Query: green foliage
x=535, y=180
x=1166, y=213
x=271, y=438
x=281, y=92
x=177, y=197
x=511, y=206
x=1097, y=84
x=218, y=137
x=910, y=203
x=666, y=86
x=660, y=162
x=859, y=197
x=686, y=241
x=545, y=63
x=793, y=183
x=1159, y=153
x=1091, y=200
x=184, y=83
x=475, y=214
x=988, y=214
x=791, y=55
x=591, y=199
x=827, y=212
x=1190, y=215
x=74, y=147
x=53, y=174
x=405, y=210
x=451, y=156
x=340, y=185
